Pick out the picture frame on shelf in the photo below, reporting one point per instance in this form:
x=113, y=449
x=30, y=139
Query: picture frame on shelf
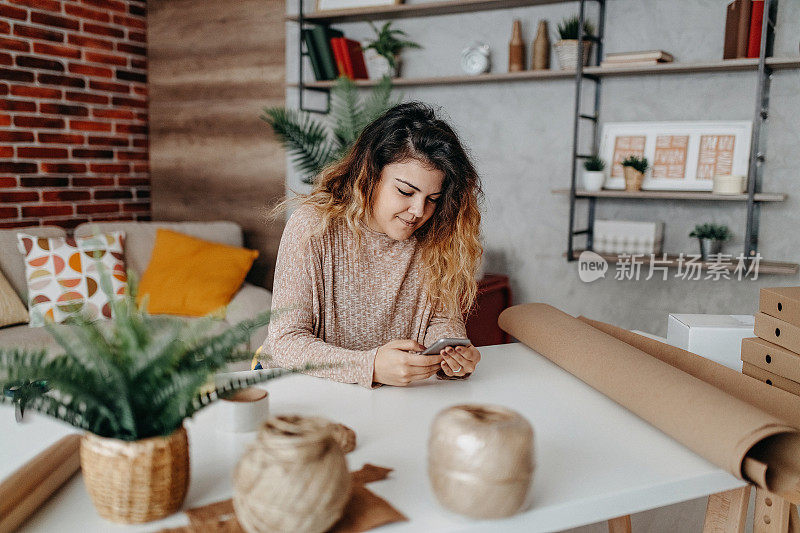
x=328, y=5
x=684, y=156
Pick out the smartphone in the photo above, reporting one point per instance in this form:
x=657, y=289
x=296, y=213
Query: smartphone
x=441, y=344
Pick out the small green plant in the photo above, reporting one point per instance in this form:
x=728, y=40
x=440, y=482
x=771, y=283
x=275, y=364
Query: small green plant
x=640, y=164
x=568, y=28
x=387, y=44
x=711, y=231
x=594, y=164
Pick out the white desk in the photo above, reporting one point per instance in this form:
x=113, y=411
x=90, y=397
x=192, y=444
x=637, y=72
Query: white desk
x=595, y=460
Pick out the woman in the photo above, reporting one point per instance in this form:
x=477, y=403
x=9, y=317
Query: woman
x=379, y=259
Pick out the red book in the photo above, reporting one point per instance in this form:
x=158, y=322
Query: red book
x=354, y=60
x=339, y=52
x=756, y=20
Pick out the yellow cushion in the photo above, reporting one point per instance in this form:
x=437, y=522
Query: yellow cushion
x=192, y=277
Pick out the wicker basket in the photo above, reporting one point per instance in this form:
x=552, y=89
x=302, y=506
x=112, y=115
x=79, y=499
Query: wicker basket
x=567, y=53
x=633, y=179
x=137, y=481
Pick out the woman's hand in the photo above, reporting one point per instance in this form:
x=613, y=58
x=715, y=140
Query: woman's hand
x=395, y=365
x=459, y=361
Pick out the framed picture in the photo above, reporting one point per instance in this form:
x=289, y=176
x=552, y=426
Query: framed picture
x=683, y=156
x=325, y=5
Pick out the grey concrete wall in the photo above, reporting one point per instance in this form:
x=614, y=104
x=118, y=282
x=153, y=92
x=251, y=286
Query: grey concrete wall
x=520, y=136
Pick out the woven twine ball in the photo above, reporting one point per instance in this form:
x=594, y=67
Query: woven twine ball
x=344, y=436
x=293, y=478
x=480, y=460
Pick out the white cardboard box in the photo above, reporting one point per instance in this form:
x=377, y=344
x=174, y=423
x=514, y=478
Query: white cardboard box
x=715, y=337
x=625, y=236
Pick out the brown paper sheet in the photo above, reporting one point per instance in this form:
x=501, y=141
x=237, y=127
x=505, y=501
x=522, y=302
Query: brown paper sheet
x=364, y=511
x=737, y=423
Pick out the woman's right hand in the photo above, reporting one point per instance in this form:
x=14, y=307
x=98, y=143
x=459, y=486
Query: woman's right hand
x=395, y=364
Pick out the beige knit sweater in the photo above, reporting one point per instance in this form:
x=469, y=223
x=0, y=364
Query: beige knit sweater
x=337, y=304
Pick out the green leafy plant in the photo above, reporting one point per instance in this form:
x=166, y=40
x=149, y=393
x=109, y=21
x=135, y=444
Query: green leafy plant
x=640, y=164
x=387, y=44
x=594, y=164
x=568, y=28
x=133, y=377
x=711, y=231
x=315, y=144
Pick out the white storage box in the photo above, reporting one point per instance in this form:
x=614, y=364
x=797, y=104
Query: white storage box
x=715, y=337
x=624, y=236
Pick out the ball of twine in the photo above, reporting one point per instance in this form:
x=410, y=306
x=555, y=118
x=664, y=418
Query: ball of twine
x=293, y=478
x=480, y=460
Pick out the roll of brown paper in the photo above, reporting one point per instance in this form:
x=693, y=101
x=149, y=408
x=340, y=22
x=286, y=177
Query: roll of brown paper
x=735, y=422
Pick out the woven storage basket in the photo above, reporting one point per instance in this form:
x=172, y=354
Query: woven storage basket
x=633, y=179
x=137, y=481
x=567, y=53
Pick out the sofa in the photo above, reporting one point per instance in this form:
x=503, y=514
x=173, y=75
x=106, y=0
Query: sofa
x=249, y=301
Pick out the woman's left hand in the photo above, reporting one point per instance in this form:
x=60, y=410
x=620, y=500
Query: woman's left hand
x=460, y=360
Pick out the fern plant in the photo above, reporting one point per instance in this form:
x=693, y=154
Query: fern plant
x=133, y=377
x=594, y=164
x=640, y=164
x=711, y=231
x=314, y=144
x=387, y=44
x=568, y=28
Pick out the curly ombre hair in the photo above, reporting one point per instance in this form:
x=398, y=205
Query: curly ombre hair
x=450, y=239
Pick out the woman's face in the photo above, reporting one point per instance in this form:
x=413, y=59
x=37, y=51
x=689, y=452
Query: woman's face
x=405, y=198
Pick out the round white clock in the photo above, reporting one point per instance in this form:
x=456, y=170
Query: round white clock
x=475, y=59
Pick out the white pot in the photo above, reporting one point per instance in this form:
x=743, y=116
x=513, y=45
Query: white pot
x=593, y=180
x=378, y=66
x=567, y=53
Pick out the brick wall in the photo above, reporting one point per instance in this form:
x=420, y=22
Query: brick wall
x=73, y=112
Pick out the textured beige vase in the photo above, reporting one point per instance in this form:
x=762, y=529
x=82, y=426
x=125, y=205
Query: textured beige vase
x=480, y=460
x=567, y=53
x=293, y=478
x=633, y=179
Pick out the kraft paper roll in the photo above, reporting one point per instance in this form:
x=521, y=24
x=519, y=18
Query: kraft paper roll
x=737, y=423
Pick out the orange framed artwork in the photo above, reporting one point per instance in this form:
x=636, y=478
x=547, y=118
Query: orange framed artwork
x=682, y=155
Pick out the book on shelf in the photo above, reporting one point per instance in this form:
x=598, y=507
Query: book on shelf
x=349, y=58
x=645, y=55
x=322, y=35
x=737, y=29
x=628, y=64
x=313, y=54
x=756, y=20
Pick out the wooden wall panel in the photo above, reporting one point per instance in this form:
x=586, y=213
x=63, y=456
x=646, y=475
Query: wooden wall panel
x=213, y=65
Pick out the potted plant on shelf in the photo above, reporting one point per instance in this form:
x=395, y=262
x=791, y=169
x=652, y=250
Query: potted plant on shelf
x=386, y=61
x=567, y=45
x=130, y=382
x=634, y=168
x=711, y=238
x=593, y=175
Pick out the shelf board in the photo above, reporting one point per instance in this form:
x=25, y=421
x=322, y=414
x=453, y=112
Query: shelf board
x=764, y=267
x=729, y=65
x=675, y=195
x=427, y=9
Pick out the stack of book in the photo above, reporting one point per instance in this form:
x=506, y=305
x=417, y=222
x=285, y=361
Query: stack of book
x=743, y=22
x=774, y=355
x=333, y=55
x=643, y=58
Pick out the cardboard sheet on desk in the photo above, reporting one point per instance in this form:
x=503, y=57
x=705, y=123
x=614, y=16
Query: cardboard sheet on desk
x=734, y=421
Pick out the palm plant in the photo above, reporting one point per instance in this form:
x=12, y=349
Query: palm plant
x=134, y=377
x=388, y=45
x=314, y=144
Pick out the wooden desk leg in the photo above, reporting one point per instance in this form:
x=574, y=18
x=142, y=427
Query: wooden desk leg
x=772, y=514
x=620, y=524
x=726, y=512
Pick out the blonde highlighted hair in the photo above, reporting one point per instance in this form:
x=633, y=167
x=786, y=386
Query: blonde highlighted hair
x=450, y=240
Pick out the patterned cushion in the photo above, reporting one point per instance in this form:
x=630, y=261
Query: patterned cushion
x=12, y=310
x=63, y=276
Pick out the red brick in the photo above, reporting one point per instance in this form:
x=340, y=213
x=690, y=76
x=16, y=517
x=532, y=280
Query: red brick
x=139, y=63
x=17, y=105
x=42, y=153
x=131, y=156
x=8, y=212
x=89, y=70
x=13, y=197
x=3, y=90
x=132, y=182
x=88, y=98
x=97, y=208
x=46, y=210
x=141, y=167
x=13, y=12
x=39, y=63
x=56, y=50
x=131, y=76
x=18, y=168
x=38, y=33
x=139, y=37
x=129, y=102
x=52, y=20
x=82, y=181
x=5, y=120
x=137, y=10
x=112, y=168
x=108, y=86
x=144, y=218
x=85, y=125
x=141, y=143
x=5, y=59
x=106, y=4
x=131, y=22
x=17, y=224
x=114, y=113
x=137, y=206
x=38, y=122
x=108, y=141
x=113, y=195
x=91, y=42
x=65, y=196
x=59, y=138
x=142, y=193
x=114, y=218
x=46, y=5
x=98, y=29
x=14, y=45
x=44, y=182
x=69, y=223
x=6, y=151
x=5, y=27
x=80, y=11
x=142, y=116
x=63, y=168
x=62, y=109
x=131, y=49
x=8, y=182
x=106, y=59
x=16, y=75
x=36, y=92
x=83, y=153
x=67, y=81
x=16, y=136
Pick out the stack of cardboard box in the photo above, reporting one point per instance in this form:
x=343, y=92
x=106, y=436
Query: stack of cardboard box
x=774, y=355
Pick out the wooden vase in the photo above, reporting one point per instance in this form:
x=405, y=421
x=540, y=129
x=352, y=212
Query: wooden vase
x=516, y=49
x=541, y=48
x=633, y=179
